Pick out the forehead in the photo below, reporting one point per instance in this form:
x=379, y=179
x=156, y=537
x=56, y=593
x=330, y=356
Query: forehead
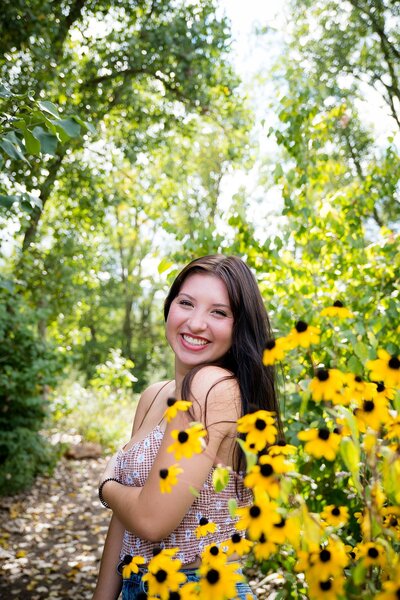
x=206, y=285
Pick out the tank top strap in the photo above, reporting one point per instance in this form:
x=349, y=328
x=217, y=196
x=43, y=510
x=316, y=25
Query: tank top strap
x=152, y=402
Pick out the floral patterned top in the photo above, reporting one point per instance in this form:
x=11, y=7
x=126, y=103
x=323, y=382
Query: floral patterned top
x=133, y=468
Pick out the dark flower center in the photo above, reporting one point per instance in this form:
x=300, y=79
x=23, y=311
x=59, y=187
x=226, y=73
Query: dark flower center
x=373, y=553
x=358, y=379
x=368, y=405
x=336, y=511
x=270, y=345
x=141, y=596
x=212, y=576
x=338, y=304
x=236, y=537
x=397, y=593
x=281, y=523
x=352, y=555
x=127, y=559
x=394, y=363
x=174, y=596
x=214, y=550
x=325, y=586
x=325, y=555
x=156, y=550
x=380, y=386
x=163, y=473
x=262, y=539
x=323, y=374
x=393, y=522
x=203, y=521
x=260, y=424
x=323, y=434
x=255, y=511
x=171, y=401
x=301, y=326
x=183, y=437
x=266, y=470
x=281, y=443
x=161, y=575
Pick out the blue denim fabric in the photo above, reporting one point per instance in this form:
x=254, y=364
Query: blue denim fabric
x=134, y=587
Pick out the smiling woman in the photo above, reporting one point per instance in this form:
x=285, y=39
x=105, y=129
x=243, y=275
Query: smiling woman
x=160, y=485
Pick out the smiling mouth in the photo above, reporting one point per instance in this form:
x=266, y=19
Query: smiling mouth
x=194, y=341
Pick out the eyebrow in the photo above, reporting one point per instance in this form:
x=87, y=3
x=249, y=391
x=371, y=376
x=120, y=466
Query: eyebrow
x=215, y=304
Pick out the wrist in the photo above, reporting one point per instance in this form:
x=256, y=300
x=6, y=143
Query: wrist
x=101, y=486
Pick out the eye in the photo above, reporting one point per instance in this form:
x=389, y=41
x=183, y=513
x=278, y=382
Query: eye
x=184, y=302
x=220, y=313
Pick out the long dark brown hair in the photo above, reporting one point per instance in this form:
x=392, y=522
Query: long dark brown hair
x=251, y=331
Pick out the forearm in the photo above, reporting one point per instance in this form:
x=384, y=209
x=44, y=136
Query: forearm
x=109, y=581
x=126, y=505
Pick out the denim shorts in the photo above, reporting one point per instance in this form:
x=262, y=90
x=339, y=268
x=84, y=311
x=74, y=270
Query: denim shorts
x=135, y=588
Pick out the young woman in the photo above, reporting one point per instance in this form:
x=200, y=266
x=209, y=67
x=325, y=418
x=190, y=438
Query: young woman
x=217, y=327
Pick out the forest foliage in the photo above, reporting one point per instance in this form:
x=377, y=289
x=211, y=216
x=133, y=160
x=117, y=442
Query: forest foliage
x=120, y=124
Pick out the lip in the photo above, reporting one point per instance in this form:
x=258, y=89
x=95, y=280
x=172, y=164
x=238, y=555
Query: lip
x=191, y=347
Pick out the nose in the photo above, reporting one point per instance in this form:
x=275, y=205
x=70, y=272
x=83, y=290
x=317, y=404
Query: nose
x=197, y=321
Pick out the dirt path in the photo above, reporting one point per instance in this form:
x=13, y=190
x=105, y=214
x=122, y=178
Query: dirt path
x=51, y=537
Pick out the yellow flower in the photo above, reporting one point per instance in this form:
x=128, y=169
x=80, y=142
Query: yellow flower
x=174, y=406
x=372, y=413
x=205, y=527
x=258, y=518
x=337, y=310
x=371, y=554
x=386, y=368
x=358, y=390
x=132, y=566
x=321, y=443
x=212, y=553
x=385, y=392
x=326, y=385
x=218, y=582
x=237, y=544
x=337, y=516
x=163, y=575
x=265, y=475
x=169, y=478
x=303, y=335
x=259, y=428
x=274, y=351
x=328, y=561
x=188, y=441
x=263, y=548
x=391, y=519
x=282, y=448
x=330, y=588
x=390, y=589
x=393, y=428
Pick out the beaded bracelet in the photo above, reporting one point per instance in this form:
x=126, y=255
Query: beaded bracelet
x=104, y=503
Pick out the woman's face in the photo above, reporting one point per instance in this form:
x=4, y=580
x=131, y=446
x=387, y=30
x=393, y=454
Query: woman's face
x=200, y=321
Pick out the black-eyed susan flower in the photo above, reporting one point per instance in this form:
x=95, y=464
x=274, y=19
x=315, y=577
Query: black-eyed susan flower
x=358, y=390
x=371, y=553
x=336, y=516
x=384, y=391
x=390, y=589
x=131, y=565
x=186, y=592
x=213, y=553
x=173, y=406
x=320, y=443
x=188, y=441
x=263, y=548
x=164, y=575
x=274, y=351
x=385, y=368
x=303, y=335
x=218, y=581
x=373, y=413
x=325, y=589
x=258, y=518
x=237, y=544
x=329, y=560
x=265, y=476
x=326, y=385
x=205, y=527
x=259, y=428
x=282, y=448
x=391, y=519
x=338, y=309
x=169, y=478
x=286, y=530
x=392, y=427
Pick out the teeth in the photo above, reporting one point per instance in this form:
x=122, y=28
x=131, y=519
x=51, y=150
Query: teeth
x=194, y=341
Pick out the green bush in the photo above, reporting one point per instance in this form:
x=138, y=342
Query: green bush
x=28, y=368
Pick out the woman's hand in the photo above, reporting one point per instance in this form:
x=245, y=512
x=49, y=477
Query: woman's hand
x=109, y=471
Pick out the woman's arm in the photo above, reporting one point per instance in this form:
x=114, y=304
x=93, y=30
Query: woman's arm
x=147, y=512
x=109, y=582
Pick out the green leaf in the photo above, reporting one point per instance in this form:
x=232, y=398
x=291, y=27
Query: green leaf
x=193, y=491
x=251, y=458
x=220, y=478
x=5, y=92
x=232, y=506
x=7, y=201
x=164, y=265
x=68, y=128
x=11, y=148
x=48, y=141
x=32, y=144
x=48, y=107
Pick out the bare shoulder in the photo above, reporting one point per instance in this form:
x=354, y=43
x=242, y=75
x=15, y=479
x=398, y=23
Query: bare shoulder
x=217, y=391
x=145, y=401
